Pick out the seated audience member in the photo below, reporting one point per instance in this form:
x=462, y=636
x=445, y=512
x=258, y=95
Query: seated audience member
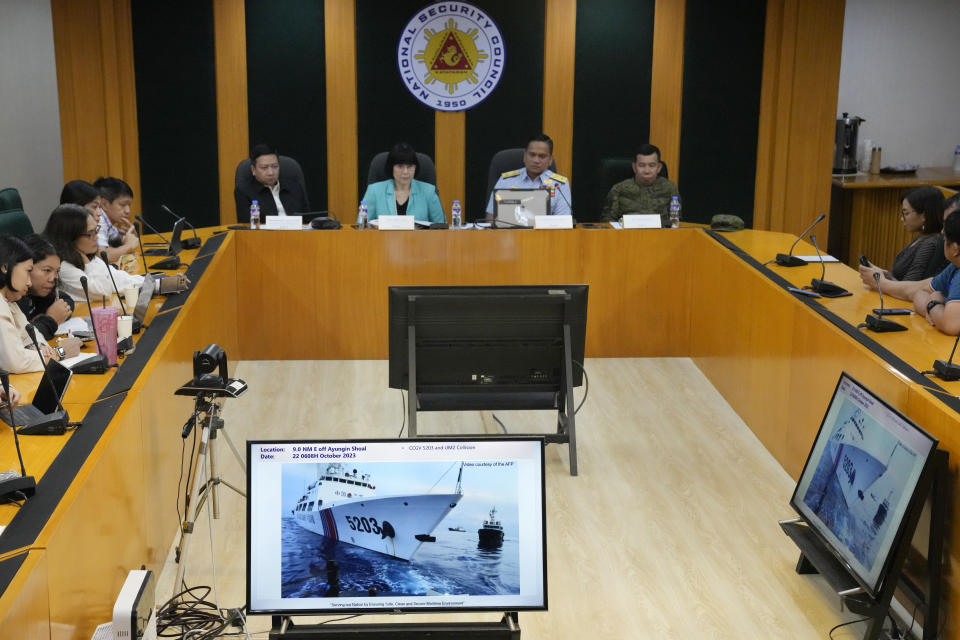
x=922, y=214
x=45, y=306
x=275, y=197
x=117, y=236
x=905, y=289
x=16, y=262
x=82, y=193
x=73, y=232
x=537, y=158
x=939, y=301
x=400, y=194
x=646, y=192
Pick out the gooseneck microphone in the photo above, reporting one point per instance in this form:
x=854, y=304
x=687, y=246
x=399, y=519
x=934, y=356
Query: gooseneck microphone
x=52, y=424
x=947, y=370
x=877, y=322
x=790, y=260
x=140, y=219
x=12, y=486
x=97, y=363
x=188, y=243
x=103, y=256
x=821, y=285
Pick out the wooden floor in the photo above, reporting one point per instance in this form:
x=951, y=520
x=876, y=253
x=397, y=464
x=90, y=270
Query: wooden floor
x=669, y=531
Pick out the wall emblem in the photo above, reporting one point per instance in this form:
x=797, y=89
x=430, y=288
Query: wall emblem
x=451, y=56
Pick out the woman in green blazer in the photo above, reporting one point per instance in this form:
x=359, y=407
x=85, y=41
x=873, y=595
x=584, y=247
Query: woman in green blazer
x=402, y=195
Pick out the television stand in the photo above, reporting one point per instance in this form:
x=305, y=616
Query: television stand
x=508, y=628
x=815, y=557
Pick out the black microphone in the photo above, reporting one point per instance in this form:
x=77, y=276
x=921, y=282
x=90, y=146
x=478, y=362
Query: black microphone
x=189, y=243
x=143, y=256
x=877, y=322
x=98, y=363
x=788, y=259
x=103, y=256
x=148, y=226
x=52, y=424
x=18, y=487
x=127, y=343
x=947, y=370
x=822, y=286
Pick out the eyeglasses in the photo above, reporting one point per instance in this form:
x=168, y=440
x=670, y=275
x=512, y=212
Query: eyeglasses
x=91, y=234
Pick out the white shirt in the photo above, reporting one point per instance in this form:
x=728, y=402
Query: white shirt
x=275, y=190
x=15, y=357
x=98, y=280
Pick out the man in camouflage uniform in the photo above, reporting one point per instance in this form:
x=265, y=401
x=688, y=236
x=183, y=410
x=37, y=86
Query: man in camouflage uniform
x=646, y=192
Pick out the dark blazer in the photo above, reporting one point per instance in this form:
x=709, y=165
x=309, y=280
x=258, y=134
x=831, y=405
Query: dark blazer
x=292, y=195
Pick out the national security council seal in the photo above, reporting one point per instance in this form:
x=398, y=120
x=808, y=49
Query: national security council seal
x=451, y=56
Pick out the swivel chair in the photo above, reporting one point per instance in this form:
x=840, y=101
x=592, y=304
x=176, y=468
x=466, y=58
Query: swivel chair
x=13, y=219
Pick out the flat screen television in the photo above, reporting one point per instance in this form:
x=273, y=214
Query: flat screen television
x=860, y=481
x=375, y=526
x=486, y=347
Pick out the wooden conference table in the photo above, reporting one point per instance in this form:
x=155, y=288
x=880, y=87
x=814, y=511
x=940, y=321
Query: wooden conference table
x=322, y=295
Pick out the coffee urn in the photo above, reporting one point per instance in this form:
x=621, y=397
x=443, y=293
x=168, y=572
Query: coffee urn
x=845, y=144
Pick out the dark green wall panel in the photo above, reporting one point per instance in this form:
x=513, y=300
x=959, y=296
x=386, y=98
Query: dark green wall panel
x=611, y=108
x=723, y=66
x=173, y=50
x=514, y=111
x=286, y=79
x=386, y=112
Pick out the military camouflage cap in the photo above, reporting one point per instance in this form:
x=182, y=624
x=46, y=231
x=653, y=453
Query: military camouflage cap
x=726, y=222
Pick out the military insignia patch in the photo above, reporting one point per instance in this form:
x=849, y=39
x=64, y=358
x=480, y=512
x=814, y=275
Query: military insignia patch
x=451, y=56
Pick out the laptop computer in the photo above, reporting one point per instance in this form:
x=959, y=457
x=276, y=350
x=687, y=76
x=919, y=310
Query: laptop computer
x=175, y=245
x=44, y=401
x=518, y=207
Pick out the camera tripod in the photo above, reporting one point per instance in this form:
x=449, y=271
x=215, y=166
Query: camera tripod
x=202, y=474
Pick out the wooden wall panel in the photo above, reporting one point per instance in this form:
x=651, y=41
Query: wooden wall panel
x=559, y=49
x=340, y=33
x=233, y=132
x=798, y=105
x=666, y=86
x=449, y=142
x=24, y=605
x=93, y=43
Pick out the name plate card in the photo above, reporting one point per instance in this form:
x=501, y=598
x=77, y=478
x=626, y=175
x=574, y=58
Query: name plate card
x=285, y=223
x=394, y=223
x=641, y=221
x=553, y=222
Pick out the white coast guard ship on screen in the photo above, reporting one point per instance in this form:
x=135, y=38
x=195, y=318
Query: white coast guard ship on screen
x=343, y=505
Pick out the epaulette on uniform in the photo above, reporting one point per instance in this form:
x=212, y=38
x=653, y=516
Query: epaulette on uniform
x=510, y=174
x=559, y=178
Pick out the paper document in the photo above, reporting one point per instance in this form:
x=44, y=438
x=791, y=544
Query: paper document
x=69, y=362
x=73, y=324
x=815, y=258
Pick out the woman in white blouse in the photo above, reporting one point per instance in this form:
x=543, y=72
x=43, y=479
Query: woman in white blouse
x=73, y=231
x=17, y=354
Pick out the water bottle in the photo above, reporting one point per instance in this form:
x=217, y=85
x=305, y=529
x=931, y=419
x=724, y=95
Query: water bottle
x=956, y=159
x=362, y=215
x=675, y=212
x=456, y=214
x=255, y=215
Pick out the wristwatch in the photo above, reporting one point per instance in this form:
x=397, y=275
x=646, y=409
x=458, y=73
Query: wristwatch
x=932, y=304
x=60, y=352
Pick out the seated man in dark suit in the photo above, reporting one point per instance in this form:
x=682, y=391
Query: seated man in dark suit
x=273, y=196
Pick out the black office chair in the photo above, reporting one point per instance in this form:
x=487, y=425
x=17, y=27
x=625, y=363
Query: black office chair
x=13, y=219
x=426, y=172
x=290, y=171
x=502, y=161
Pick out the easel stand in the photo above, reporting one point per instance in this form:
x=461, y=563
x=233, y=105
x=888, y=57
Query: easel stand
x=816, y=558
x=566, y=420
x=507, y=629
x=203, y=484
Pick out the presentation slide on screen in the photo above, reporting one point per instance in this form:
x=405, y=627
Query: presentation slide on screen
x=396, y=525
x=862, y=472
